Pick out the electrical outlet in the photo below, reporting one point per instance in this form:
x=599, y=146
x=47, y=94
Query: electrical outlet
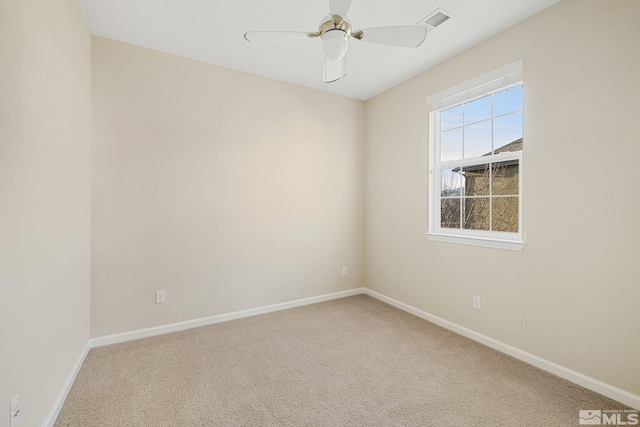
x=159, y=297
x=476, y=302
x=344, y=270
x=15, y=410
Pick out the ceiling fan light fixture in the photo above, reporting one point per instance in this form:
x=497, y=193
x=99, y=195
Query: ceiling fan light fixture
x=335, y=44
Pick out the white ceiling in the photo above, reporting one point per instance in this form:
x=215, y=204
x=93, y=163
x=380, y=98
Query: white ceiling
x=212, y=31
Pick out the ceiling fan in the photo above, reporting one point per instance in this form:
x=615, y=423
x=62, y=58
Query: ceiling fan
x=335, y=32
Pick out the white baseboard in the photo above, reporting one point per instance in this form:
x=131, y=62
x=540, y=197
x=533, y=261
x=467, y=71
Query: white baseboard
x=206, y=321
x=592, y=384
x=57, y=407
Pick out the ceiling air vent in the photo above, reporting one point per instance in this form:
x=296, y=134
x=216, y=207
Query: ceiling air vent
x=436, y=18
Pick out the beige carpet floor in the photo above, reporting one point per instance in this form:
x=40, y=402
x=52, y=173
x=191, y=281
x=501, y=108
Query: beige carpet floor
x=349, y=362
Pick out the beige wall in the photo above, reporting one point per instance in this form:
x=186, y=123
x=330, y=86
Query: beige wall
x=227, y=190
x=45, y=160
x=577, y=280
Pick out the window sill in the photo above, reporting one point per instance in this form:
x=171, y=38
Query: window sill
x=510, y=245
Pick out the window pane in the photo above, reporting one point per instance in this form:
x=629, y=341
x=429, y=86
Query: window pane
x=505, y=178
x=451, y=183
x=505, y=214
x=508, y=101
x=507, y=131
x=476, y=213
x=451, y=118
x=476, y=180
x=450, y=213
x=451, y=145
x=477, y=140
x=477, y=110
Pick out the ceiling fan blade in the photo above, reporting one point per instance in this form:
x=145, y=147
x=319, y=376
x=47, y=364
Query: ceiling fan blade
x=334, y=70
x=274, y=36
x=393, y=36
x=339, y=7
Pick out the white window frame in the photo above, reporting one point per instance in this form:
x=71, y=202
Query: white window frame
x=503, y=78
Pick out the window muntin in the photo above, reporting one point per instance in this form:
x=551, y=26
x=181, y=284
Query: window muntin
x=477, y=167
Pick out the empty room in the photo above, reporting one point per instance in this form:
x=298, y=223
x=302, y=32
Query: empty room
x=319, y=213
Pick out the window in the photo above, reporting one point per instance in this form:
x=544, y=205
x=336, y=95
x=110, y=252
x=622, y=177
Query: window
x=476, y=161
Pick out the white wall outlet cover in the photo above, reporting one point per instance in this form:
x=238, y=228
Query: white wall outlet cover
x=344, y=270
x=15, y=410
x=160, y=297
x=476, y=302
